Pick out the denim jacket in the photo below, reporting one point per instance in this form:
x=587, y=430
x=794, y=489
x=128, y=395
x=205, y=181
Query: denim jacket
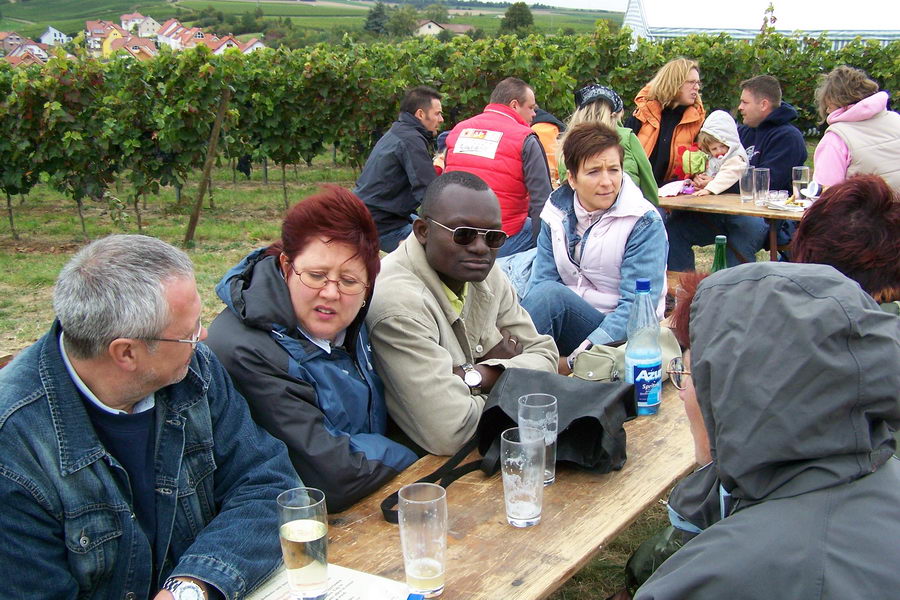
x=645, y=253
x=67, y=519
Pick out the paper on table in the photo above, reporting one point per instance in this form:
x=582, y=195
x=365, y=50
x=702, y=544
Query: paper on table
x=343, y=584
x=671, y=189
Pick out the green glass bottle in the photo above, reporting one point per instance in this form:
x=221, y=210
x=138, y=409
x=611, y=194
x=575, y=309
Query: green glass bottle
x=719, y=258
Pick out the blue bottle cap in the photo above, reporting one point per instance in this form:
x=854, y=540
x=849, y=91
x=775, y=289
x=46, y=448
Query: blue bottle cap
x=642, y=285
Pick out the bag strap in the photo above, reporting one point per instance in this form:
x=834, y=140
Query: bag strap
x=444, y=475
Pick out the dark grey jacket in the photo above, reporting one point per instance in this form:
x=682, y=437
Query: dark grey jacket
x=795, y=369
x=393, y=182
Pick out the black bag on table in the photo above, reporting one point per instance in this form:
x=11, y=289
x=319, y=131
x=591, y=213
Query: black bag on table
x=590, y=435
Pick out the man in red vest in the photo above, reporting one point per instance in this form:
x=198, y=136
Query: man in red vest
x=499, y=146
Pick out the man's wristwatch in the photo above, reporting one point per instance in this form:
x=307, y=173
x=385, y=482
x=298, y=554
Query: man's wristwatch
x=184, y=590
x=472, y=377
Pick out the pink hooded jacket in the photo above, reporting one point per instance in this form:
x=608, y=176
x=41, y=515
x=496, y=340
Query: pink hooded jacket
x=832, y=157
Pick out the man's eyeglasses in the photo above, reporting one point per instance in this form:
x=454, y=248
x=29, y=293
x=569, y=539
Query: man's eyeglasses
x=316, y=280
x=494, y=238
x=677, y=373
x=193, y=341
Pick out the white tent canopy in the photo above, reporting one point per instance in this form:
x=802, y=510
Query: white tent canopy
x=792, y=15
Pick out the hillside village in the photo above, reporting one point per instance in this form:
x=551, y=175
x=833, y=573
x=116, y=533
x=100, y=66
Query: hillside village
x=135, y=36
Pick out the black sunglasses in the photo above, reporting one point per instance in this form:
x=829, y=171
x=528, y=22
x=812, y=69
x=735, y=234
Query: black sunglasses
x=494, y=238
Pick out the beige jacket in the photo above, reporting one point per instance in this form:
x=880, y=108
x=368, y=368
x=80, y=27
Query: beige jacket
x=417, y=340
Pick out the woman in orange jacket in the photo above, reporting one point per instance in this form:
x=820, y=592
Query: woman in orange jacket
x=669, y=114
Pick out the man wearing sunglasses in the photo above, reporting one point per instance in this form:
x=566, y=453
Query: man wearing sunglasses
x=129, y=465
x=444, y=323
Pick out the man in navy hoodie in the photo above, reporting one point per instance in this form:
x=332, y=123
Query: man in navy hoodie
x=772, y=142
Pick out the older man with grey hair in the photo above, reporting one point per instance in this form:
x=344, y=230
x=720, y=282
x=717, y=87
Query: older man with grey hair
x=129, y=465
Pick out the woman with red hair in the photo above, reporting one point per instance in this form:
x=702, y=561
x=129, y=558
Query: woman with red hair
x=855, y=228
x=294, y=340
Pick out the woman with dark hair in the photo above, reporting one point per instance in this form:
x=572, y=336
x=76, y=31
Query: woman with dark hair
x=863, y=136
x=294, y=340
x=669, y=114
x=598, y=236
x=855, y=228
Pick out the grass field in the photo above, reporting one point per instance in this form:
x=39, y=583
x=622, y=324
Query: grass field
x=69, y=16
x=544, y=21
x=275, y=9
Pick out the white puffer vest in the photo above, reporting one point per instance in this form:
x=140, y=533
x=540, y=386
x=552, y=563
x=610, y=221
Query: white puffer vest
x=597, y=278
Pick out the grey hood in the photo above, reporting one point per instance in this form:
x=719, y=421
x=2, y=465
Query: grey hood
x=797, y=374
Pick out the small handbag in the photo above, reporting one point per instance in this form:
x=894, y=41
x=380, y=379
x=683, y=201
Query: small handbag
x=590, y=435
x=607, y=362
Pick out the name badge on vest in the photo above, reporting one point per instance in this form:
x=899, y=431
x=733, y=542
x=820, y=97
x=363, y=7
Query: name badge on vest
x=478, y=142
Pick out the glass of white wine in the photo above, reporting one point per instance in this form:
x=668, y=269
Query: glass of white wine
x=423, y=536
x=799, y=180
x=303, y=531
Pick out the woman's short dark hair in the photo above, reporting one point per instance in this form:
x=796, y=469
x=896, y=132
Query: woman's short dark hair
x=336, y=214
x=855, y=228
x=586, y=140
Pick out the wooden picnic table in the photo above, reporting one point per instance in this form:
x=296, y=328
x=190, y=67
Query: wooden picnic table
x=488, y=559
x=730, y=204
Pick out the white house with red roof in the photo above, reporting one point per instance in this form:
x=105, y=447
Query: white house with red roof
x=178, y=37
x=139, y=25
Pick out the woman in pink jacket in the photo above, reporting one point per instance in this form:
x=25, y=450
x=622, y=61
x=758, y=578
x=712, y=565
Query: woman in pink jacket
x=863, y=136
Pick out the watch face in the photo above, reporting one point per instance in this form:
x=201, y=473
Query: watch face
x=188, y=591
x=472, y=378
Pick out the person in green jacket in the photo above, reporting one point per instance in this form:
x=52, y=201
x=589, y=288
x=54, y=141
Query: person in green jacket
x=599, y=104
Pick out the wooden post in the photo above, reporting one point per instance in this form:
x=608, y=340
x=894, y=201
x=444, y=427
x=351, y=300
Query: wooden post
x=207, y=166
x=284, y=186
x=9, y=209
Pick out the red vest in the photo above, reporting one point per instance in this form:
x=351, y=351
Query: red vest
x=490, y=145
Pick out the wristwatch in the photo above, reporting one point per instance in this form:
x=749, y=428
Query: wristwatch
x=184, y=590
x=472, y=377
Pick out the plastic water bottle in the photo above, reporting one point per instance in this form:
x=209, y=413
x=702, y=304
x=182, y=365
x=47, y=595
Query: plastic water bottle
x=643, y=357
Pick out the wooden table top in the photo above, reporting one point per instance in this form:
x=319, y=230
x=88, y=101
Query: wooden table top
x=726, y=204
x=488, y=558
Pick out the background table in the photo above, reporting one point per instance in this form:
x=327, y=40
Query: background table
x=730, y=204
x=489, y=559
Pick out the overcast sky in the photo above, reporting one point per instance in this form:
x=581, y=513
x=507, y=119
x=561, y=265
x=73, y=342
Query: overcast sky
x=747, y=14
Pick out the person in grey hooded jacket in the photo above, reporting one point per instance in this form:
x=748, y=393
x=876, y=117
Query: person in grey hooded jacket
x=802, y=455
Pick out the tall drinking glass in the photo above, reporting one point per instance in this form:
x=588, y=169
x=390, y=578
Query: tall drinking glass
x=747, y=185
x=799, y=180
x=423, y=536
x=522, y=462
x=539, y=411
x=303, y=530
x=760, y=186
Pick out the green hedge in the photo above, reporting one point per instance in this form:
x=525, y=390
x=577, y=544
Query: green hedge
x=77, y=124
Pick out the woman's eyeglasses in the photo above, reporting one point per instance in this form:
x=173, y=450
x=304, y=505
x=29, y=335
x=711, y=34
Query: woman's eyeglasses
x=494, y=238
x=316, y=280
x=677, y=373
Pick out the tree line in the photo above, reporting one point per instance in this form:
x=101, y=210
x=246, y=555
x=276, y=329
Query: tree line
x=79, y=125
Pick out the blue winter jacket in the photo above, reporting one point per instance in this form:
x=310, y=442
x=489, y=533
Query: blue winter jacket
x=328, y=408
x=775, y=144
x=67, y=517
